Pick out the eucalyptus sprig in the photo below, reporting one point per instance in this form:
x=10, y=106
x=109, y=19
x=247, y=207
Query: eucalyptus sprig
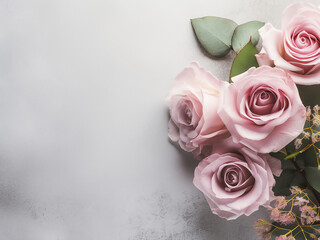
x=219, y=35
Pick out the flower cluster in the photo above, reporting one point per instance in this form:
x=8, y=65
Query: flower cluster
x=234, y=127
x=241, y=122
x=291, y=217
x=258, y=113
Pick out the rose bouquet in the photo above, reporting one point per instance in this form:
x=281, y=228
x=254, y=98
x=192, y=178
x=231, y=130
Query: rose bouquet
x=256, y=135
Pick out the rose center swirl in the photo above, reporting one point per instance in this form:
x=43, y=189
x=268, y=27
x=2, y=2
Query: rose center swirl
x=188, y=115
x=303, y=40
x=262, y=102
x=235, y=177
x=232, y=177
x=185, y=114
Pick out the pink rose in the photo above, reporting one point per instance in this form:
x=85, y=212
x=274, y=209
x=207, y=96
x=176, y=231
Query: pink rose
x=262, y=109
x=193, y=104
x=236, y=180
x=296, y=47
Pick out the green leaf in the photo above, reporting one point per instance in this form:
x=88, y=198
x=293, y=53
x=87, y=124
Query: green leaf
x=300, y=162
x=214, y=34
x=313, y=175
x=285, y=164
x=288, y=178
x=244, y=60
x=291, y=147
x=244, y=33
x=283, y=183
x=299, y=180
x=309, y=157
x=309, y=94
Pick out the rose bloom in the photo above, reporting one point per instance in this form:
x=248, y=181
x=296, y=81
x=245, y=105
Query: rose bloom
x=236, y=180
x=296, y=47
x=193, y=104
x=262, y=109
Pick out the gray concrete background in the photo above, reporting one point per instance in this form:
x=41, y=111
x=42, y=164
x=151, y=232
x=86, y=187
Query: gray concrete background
x=84, y=153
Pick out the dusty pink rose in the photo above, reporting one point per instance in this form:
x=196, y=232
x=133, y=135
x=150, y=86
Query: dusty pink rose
x=236, y=180
x=262, y=109
x=193, y=104
x=296, y=47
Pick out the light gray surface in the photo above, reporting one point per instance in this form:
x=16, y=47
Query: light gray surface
x=84, y=153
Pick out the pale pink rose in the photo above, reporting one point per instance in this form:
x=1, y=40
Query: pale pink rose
x=262, y=109
x=193, y=103
x=236, y=180
x=296, y=47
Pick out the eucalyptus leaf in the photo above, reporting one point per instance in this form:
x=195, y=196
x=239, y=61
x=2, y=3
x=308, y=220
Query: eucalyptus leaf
x=313, y=175
x=244, y=33
x=214, y=34
x=283, y=183
x=285, y=164
x=300, y=162
x=244, y=60
x=290, y=148
x=299, y=180
x=309, y=94
x=287, y=179
x=310, y=158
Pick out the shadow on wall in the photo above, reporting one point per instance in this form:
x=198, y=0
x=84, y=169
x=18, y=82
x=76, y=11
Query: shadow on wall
x=186, y=159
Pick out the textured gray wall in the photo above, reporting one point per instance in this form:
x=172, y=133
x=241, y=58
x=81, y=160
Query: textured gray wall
x=84, y=153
